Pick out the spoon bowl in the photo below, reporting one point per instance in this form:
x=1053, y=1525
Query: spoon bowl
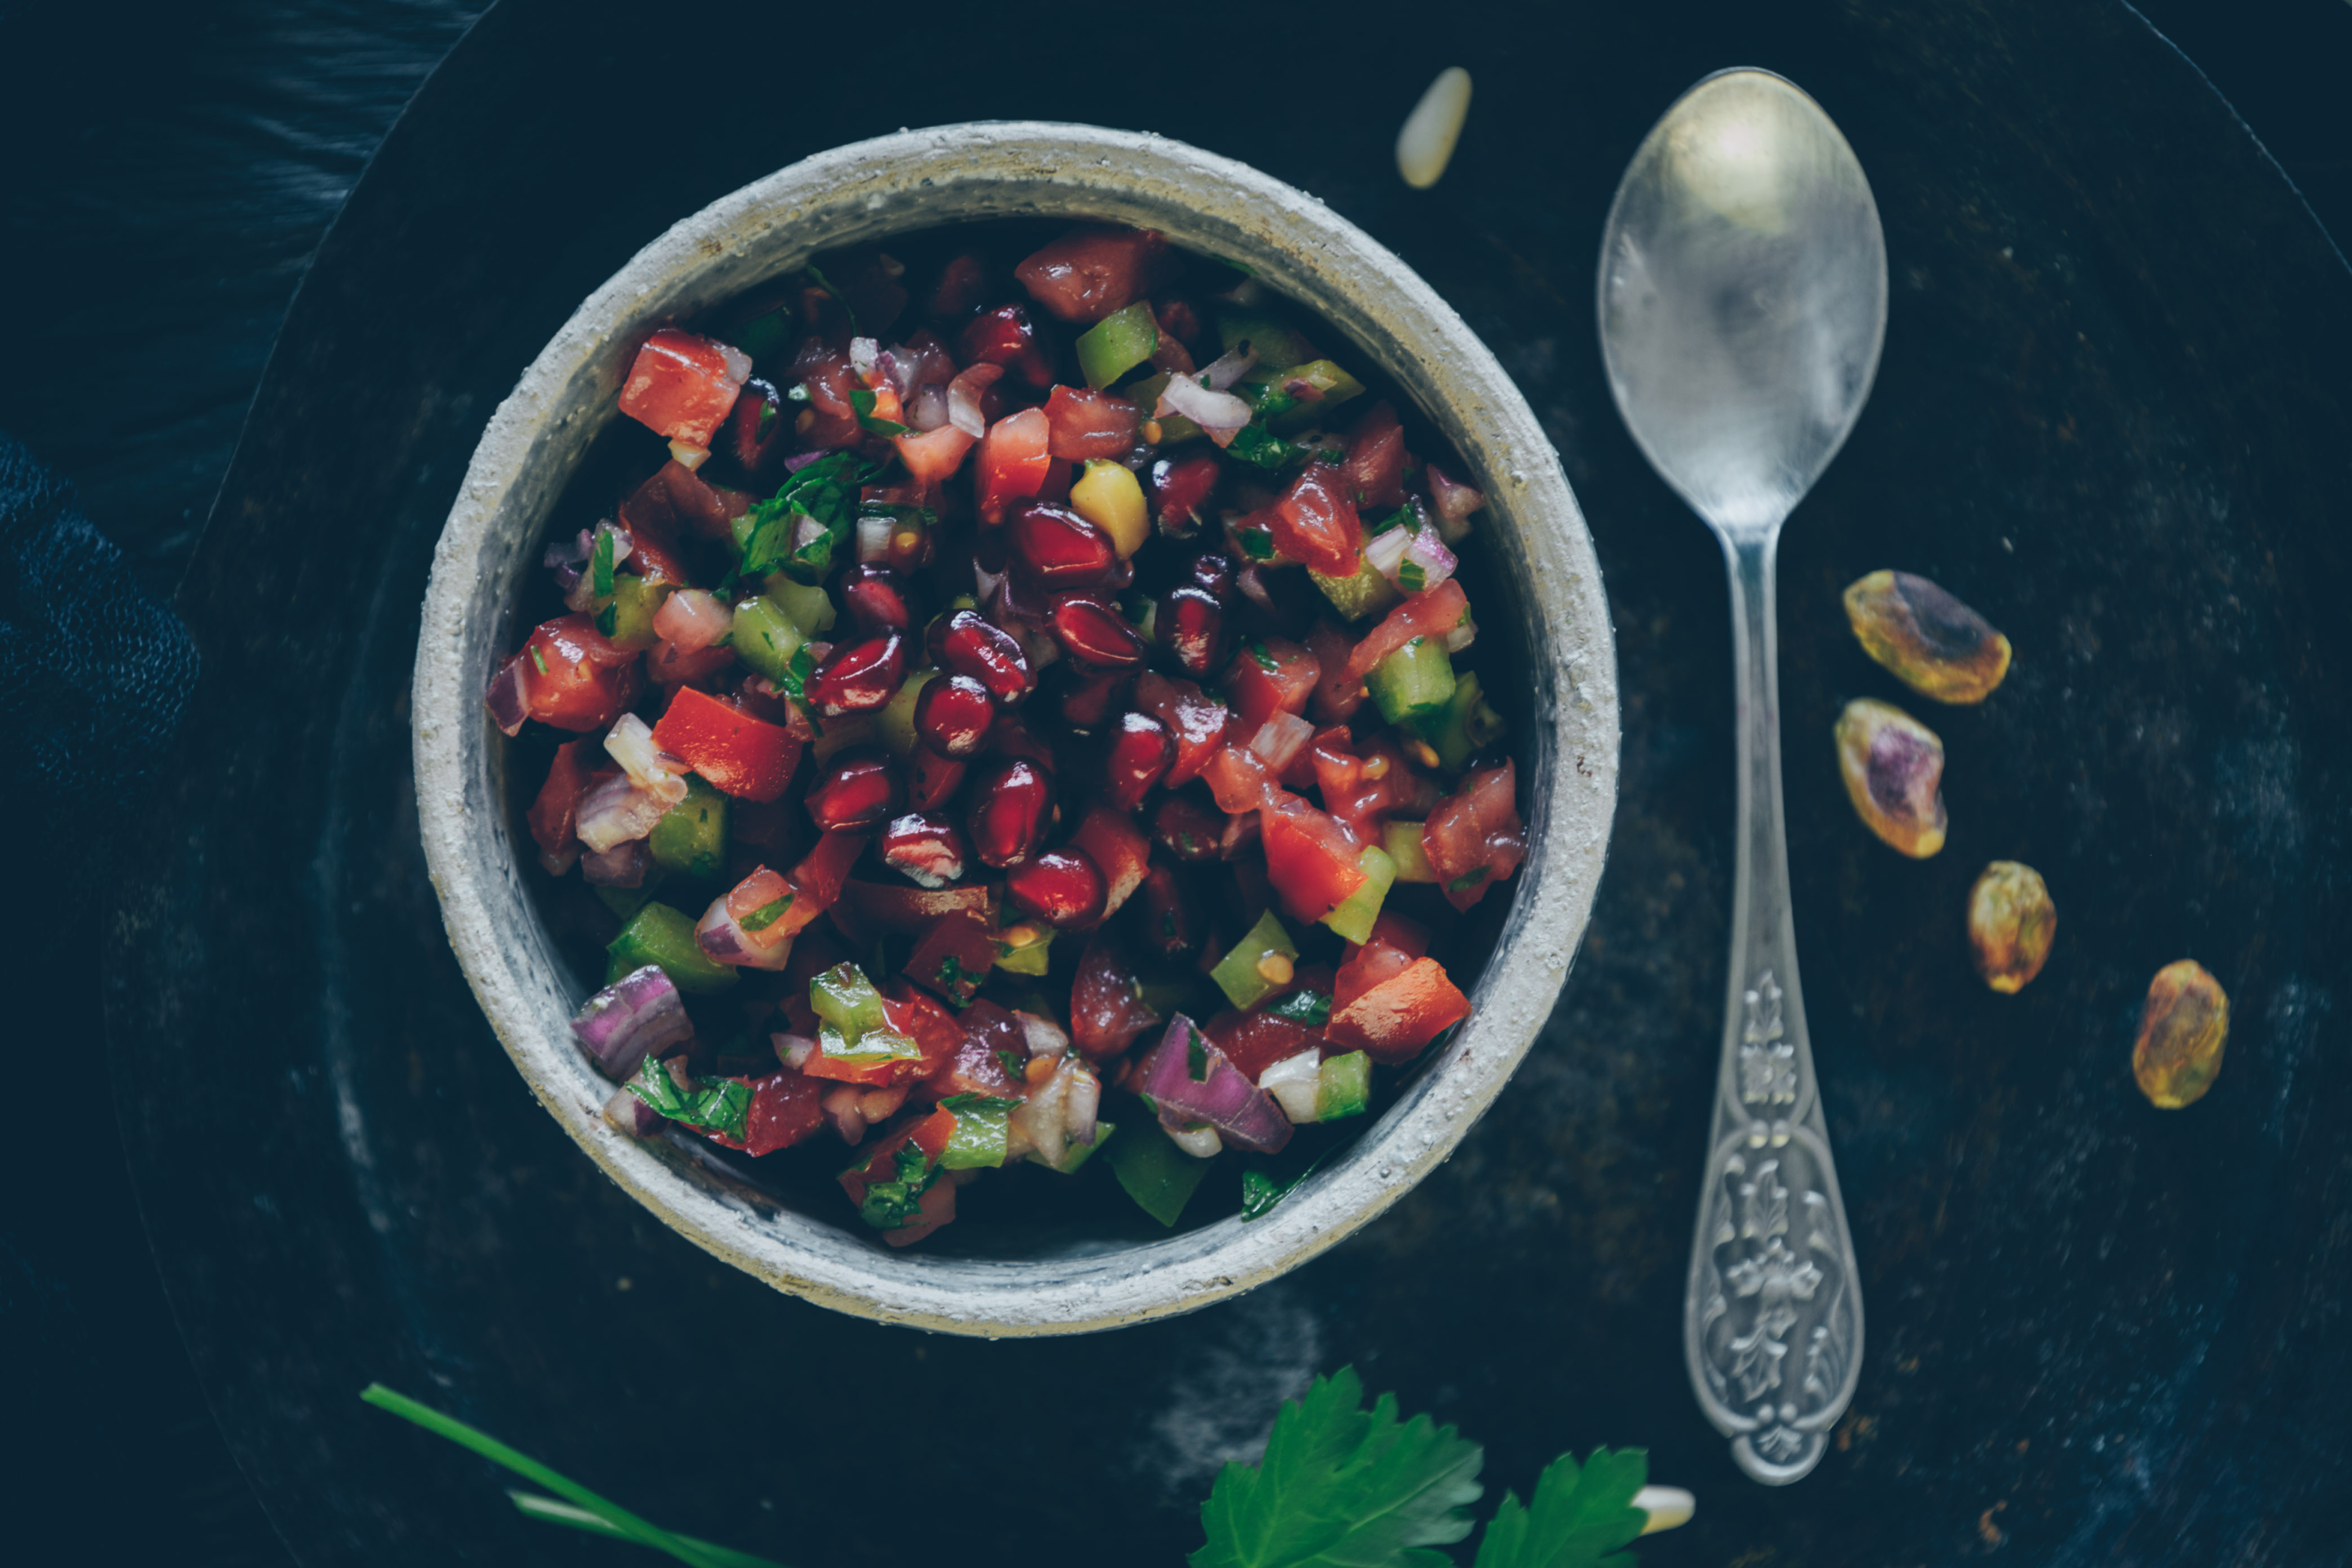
x=1743, y=305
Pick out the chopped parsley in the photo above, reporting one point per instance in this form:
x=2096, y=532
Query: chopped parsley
x=862, y=400
x=1397, y=519
x=539, y=659
x=826, y=492
x=1312, y=1008
x=767, y=914
x=718, y=1105
x=797, y=673
x=898, y=1203
x=1266, y=660
x=1411, y=576
x=1257, y=544
x=1012, y=1061
x=1253, y=443
x=1468, y=880
x=600, y=564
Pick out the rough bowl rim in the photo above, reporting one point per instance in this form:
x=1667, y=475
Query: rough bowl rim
x=895, y=183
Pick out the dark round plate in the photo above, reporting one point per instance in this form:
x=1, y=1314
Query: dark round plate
x=2110, y=416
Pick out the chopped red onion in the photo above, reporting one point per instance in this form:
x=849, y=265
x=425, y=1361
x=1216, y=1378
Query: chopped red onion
x=865, y=354
x=964, y=398
x=840, y=1105
x=621, y=865
x=927, y=409
x=1220, y=414
x=571, y=564
x=723, y=939
x=1293, y=1082
x=615, y=811
x=1385, y=552
x=874, y=538
x=1455, y=501
x=1463, y=634
x=692, y=619
x=1059, y=1114
x=1221, y=373
x=1041, y=1035
x=509, y=698
x=1222, y=1096
x=1251, y=580
x=799, y=460
x=630, y=742
x=1280, y=739
x=633, y=1116
x=638, y=1016
x=1428, y=550
x=1388, y=553
x=1199, y=1142
x=793, y=1050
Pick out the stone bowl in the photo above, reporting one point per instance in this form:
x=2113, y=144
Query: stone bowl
x=1541, y=554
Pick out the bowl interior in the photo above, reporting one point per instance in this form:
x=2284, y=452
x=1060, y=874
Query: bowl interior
x=1024, y=1258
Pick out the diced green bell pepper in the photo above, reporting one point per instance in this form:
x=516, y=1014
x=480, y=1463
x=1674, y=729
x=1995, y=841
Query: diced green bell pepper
x=1274, y=342
x=765, y=334
x=1415, y=680
x=626, y=902
x=809, y=606
x=1145, y=395
x=691, y=836
x=981, y=1138
x=1325, y=377
x=1463, y=726
x=1354, y=917
x=1076, y=1155
x=844, y=998
x=765, y=637
x=627, y=621
x=661, y=935
x=1237, y=975
x=874, y=1048
x=897, y=720
x=1355, y=597
x=1343, y=1087
x=1117, y=343
x=1026, y=958
x=1157, y=1174
x=1403, y=841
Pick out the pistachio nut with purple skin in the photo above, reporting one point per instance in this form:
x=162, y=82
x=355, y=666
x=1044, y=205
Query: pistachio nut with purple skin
x=2012, y=924
x=1935, y=645
x=1894, y=769
x=2182, y=1028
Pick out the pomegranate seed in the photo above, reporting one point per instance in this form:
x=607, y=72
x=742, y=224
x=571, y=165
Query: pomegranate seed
x=1191, y=626
x=965, y=643
x=1171, y=920
x=860, y=790
x=1010, y=811
x=858, y=676
x=1064, y=887
x=1140, y=756
x=934, y=780
x=953, y=714
x=876, y=598
x=1095, y=698
x=926, y=848
x=1093, y=632
x=1188, y=829
x=1061, y=549
x=1012, y=738
x=1212, y=570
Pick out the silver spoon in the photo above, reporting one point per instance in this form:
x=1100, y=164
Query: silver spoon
x=1743, y=303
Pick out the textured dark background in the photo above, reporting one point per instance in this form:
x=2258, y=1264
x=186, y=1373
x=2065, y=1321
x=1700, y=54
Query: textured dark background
x=169, y=174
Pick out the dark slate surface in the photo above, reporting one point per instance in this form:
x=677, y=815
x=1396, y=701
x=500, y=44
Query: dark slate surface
x=2110, y=417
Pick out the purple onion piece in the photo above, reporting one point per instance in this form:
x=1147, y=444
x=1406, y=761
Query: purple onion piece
x=1221, y=373
x=623, y=865
x=1219, y=413
x=636, y=1016
x=722, y=938
x=1243, y=1114
x=633, y=1115
x=507, y=701
x=616, y=811
x=799, y=460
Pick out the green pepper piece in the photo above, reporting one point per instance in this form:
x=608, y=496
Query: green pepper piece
x=628, y=620
x=1463, y=726
x=765, y=637
x=809, y=606
x=981, y=1139
x=1117, y=343
x=1325, y=377
x=662, y=935
x=1029, y=958
x=626, y=902
x=1401, y=839
x=1355, y=597
x=1274, y=342
x=875, y=1047
x=897, y=719
x=1354, y=917
x=1157, y=1174
x=1076, y=1155
x=843, y=997
x=691, y=836
x=1237, y=975
x=1343, y=1087
x=1415, y=680
x=1174, y=427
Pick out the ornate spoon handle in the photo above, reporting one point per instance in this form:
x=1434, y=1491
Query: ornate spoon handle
x=1772, y=1316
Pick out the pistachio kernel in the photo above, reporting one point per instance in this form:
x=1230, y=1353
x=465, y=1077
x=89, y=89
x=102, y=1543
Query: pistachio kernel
x=1893, y=768
x=1935, y=645
x=2012, y=924
x=2182, y=1028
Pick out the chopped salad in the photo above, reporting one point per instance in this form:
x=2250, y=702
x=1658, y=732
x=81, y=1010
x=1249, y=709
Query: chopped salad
x=1008, y=667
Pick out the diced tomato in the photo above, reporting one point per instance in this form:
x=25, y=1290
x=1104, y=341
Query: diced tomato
x=1374, y=470
x=677, y=500
x=736, y=753
x=572, y=678
x=1256, y=1041
x=1405, y=933
x=1005, y=337
x=1195, y=720
x=829, y=378
x=1432, y=612
x=1119, y=849
x=1270, y=676
x=1088, y=424
x=888, y=407
x=554, y=816
x=1395, y=943
x=1363, y=790
x=786, y=1107
x=923, y=1020
x=934, y=455
x=669, y=664
x=976, y=1067
x=754, y=893
x=1090, y=272
x=816, y=880
x=1060, y=474
x=866, y=1075
x=1107, y=1010
x=1393, y=1020
x=1181, y=487
x=1012, y=463
x=954, y=956
x=1239, y=780
x=930, y=1134
x=682, y=386
x=1337, y=694
x=1311, y=859
x=1473, y=838
x=963, y=283
x=1315, y=521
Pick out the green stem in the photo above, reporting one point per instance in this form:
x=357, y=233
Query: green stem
x=548, y=1510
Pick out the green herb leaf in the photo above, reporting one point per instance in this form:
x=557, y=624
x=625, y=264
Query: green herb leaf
x=539, y=659
x=1012, y=1061
x=818, y=276
x=1257, y=544
x=797, y=673
x=1312, y=1008
x=607, y=619
x=891, y=1206
x=826, y=491
x=1577, y=1518
x=1396, y=518
x=1266, y=660
x=720, y=1105
x=1196, y=1057
x=1411, y=578
x=767, y=914
x=1342, y=1485
x=1253, y=443
x=1468, y=880
x=600, y=564
x=862, y=401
